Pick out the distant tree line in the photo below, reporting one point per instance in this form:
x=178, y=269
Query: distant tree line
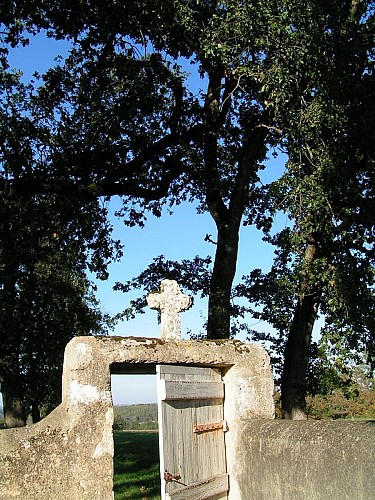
x=135, y=417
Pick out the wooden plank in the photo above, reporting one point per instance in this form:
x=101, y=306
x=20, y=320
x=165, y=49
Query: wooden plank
x=203, y=489
x=189, y=372
x=175, y=390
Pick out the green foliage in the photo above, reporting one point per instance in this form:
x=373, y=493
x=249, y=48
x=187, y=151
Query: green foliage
x=136, y=465
x=325, y=258
x=46, y=297
x=338, y=405
x=337, y=390
x=48, y=243
x=122, y=101
x=193, y=275
x=119, y=116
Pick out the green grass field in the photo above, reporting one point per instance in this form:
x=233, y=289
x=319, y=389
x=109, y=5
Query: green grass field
x=136, y=465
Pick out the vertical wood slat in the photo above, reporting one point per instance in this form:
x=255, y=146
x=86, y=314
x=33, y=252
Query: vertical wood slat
x=199, y=458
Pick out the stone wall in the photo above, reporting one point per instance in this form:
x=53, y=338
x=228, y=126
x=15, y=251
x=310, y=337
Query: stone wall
x=294, y=460
x=50, y=460
x=70, y=453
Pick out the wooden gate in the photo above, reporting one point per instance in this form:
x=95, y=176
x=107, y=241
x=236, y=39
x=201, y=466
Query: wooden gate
x=191, y=433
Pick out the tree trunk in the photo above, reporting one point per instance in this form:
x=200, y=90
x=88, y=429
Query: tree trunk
x=297, y=351
x=13, y=403
x=227, y=216
x=219, y=305
x=293, y=384
x=35, y=412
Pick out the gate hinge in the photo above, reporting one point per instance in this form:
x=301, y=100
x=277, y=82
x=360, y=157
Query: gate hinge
x=168, y=477
x=211, y=427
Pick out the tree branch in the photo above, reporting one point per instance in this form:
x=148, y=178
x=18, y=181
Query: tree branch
x=214, y=199
x=122, y=180
x=250, y=155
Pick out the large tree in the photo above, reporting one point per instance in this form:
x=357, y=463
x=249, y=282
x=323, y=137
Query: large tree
x=134, y=127
x=45, y=300
x=124, y=118
x=325, y=259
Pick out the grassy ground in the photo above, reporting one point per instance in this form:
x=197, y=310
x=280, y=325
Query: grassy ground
x=136, y=465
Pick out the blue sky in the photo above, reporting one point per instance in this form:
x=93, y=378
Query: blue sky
x=179, y=236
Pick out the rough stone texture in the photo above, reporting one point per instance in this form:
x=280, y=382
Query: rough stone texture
x=170, y=301
x=70, y=453
x=53, y=459
x=294, y=460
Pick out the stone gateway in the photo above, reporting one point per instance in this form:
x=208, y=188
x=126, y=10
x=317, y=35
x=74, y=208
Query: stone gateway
x=69, y=454
x=215, y=403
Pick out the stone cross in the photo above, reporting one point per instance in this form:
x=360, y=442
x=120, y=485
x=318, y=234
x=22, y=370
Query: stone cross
x=170, y=301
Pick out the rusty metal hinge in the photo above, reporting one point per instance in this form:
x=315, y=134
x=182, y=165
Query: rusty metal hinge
x=168, y=477
x=211, y=427
x=171, y=477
